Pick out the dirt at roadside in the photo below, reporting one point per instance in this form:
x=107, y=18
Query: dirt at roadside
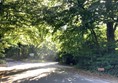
x=94, y=75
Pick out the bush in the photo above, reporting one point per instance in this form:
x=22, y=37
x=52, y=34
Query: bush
x=92, y=61
x=2, y=55
x=21, y=52
x=109, y=62
x=86, y=61
x=66, y=58
x=2, y=61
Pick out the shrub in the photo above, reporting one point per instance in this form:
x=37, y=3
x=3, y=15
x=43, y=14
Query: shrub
x=2, y=61
x=66, y=58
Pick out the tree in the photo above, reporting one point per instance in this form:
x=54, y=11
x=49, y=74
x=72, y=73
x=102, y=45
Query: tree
x=18, y=23
x=89, y=14
x=106, y=11
x=81, y=38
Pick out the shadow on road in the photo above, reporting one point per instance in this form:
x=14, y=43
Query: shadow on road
x=49, y=72
x=55, y=77
x=13, y=71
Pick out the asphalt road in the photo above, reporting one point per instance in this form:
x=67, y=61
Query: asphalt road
x=48, y=72
x=64, y=77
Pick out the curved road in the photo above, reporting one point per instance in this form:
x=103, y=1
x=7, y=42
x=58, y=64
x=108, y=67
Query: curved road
x=48, y=72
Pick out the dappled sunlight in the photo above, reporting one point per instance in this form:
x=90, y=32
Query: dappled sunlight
x=59, y=76
x=37, y=74
x=47, y=72
x=26, y=65
x=19, y=71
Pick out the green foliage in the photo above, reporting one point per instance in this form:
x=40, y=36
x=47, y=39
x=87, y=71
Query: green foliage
x=2, y=61
x=20, y=51
x=109, y=62
x=1, y=53
x=66, y=58
x=83, y=31
x=19, y=22
x=85, y=34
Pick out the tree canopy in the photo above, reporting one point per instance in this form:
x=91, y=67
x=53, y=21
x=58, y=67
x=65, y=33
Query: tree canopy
x=82, y=29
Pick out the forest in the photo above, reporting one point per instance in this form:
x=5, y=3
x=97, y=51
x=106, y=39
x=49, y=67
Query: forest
x=81, y=32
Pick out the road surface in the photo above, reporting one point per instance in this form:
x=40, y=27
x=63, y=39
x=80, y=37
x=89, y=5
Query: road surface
x=47, y=72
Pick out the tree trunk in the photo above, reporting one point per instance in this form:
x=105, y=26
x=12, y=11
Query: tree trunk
x=110, y=37
x=95, y=37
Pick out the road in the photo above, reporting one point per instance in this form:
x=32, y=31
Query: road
x=47, y=72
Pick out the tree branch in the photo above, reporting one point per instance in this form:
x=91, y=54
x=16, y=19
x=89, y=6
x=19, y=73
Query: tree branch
x=115, y=26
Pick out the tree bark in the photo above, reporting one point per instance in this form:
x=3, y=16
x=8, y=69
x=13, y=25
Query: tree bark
x=95, y=37
x=110, y=37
